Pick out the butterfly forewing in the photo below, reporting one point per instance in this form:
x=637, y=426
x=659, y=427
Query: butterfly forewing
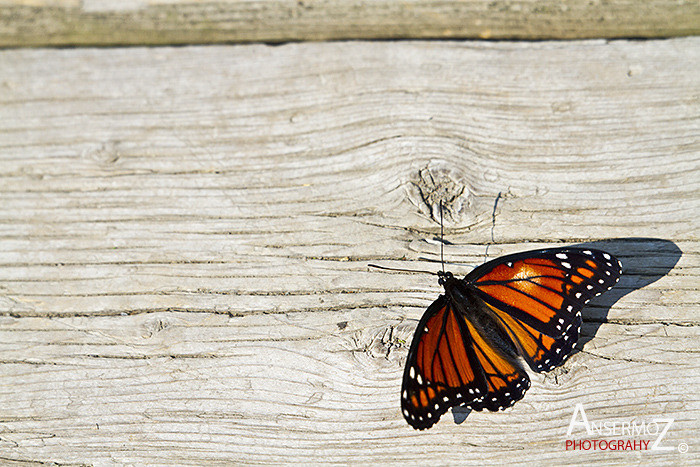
x=545, y=289
x=442, y=369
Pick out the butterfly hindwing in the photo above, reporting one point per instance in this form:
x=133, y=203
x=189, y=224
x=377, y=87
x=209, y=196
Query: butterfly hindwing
x=506, y=380
x=541, y=352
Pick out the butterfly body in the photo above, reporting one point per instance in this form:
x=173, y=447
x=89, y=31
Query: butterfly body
x=466, y=347
x=463, y=300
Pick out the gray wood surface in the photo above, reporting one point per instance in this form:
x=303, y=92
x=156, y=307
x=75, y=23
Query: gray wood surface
x=185, y=233
x=138, y=22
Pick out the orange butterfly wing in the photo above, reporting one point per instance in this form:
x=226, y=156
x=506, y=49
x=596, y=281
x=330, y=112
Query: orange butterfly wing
x=540, y=351
x=538, y=296
x=546, y=288
x=452, y=363
x=506, y=380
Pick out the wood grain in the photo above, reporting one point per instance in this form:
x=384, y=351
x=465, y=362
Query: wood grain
x=138, y=22
x=185, y=233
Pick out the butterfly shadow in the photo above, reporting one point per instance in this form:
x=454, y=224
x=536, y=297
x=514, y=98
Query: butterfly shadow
x=644, y=261
x=460, y=413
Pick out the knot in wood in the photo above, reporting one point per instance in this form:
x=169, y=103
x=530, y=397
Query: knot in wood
x=438, y=183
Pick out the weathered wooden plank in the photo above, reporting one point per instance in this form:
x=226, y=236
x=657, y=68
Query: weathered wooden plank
x=185, y=232
x=137, y=22
x=236, y=288
x=195, y=388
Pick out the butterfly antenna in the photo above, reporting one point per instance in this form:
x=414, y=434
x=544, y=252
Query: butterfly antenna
x=418, y=271
x=442, y=241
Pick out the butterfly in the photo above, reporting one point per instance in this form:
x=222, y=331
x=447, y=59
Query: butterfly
x=466, y=346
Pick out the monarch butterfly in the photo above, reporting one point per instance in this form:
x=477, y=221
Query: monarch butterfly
x=465, y=347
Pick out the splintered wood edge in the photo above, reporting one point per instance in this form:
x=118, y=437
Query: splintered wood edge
x=140, y=22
